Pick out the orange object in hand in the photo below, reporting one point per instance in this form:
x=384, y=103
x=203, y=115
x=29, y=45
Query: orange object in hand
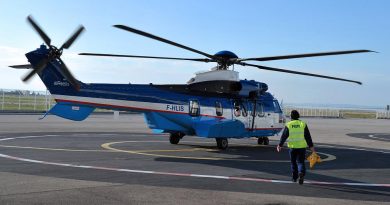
x=313, y=159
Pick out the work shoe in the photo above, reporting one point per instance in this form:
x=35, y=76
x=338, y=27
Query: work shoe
x=294, y=179
x=301, y=176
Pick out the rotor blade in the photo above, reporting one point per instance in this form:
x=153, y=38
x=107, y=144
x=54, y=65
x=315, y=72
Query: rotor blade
x=298, y=73
x=25, y=66
x=37, y=69
x=43, y=35
x=142, y=33
x=68, y=75
x=153, y=57
x=70, y=41
x=270, y=58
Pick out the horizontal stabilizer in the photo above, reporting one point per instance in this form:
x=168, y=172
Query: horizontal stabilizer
x=25, y=66
x=71, y=111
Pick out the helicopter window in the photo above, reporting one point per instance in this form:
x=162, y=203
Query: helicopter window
x=268, y=106
x=218, y=108
x=253, y=108
x=260, y=110
x=194, y=108
x=277, y=107
x=244, y=111
x=236, y=106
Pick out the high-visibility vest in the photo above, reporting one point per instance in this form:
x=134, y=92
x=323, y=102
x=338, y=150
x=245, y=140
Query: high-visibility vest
x=296, y=137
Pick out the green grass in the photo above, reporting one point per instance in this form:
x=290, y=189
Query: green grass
x=357, y=114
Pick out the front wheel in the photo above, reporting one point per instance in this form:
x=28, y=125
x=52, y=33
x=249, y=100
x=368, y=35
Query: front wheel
x=174, y=138
x=263, y=141
x=222, y=143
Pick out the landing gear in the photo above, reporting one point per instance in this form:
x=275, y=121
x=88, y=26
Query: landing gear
x=222, y=143
x=174, y=138
x=263, y=140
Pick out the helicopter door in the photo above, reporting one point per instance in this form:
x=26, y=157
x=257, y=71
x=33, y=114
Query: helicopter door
x=240, y=112
x=252, y=107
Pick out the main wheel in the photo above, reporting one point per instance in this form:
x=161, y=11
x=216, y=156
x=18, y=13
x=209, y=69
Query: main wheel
x=222, y=143
x=260, y=140
x=174, y=138
x=266, y=141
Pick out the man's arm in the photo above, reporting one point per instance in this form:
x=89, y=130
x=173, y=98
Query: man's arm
x=284, y=136
x=308, y=139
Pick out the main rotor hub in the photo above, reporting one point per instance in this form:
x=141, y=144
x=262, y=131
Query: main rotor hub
x=226, y=55
x=225, y=59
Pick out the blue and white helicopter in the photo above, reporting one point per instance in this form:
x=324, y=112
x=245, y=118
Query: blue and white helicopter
x=213, y=104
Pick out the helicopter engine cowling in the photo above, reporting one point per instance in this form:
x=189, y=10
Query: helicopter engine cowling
x=251, y=88
x=228, y=87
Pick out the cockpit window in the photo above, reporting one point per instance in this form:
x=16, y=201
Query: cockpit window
x=277, y=107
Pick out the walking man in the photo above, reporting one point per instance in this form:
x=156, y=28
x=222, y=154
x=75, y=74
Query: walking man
x=298, y=139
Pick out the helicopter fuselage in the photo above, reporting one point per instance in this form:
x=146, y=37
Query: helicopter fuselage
x=177, y=108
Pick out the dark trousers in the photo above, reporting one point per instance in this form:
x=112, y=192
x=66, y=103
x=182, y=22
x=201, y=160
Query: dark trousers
x=297, y=157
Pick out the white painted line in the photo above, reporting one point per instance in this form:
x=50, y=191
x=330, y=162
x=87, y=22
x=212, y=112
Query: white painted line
x=353, y=148
x=379, y=138
x=190, y=175
x=182, y=174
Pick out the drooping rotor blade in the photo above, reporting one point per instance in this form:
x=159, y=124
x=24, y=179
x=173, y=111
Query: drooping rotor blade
x=70, y=41
x=270, y=58
x=68, y=75
x=41, y=33
x=142, y=33
x=25, y=66
x=37, y=69
x=153, y=57
x=297, y=72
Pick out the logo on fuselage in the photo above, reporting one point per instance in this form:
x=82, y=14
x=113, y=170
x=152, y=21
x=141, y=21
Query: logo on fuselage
x=60, y=83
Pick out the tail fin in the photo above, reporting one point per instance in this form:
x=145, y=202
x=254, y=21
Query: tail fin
x=52, y=75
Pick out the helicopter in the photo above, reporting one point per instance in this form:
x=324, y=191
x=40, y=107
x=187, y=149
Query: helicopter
x=213, y=104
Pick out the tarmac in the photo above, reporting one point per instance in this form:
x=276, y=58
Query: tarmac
x=103, y=160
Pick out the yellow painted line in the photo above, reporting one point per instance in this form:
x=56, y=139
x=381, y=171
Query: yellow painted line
x=176, y=150
x=146, y=152
x=108, y=146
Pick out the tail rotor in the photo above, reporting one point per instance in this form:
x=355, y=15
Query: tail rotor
x=54, y=53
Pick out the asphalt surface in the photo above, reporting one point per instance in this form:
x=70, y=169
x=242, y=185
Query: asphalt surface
x=119, y=161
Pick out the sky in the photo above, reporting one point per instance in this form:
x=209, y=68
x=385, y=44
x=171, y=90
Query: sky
x=247, y=28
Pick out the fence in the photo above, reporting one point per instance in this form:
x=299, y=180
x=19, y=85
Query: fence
x=383, y=115
x=314, y=112
x=338, y=113
x=23, y=100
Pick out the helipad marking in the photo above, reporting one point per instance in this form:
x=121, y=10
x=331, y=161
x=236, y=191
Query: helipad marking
x=355, y=148
x=375, y=137
x=188, y=174
x=177, y=174
x=57, y=149
x=329, y=157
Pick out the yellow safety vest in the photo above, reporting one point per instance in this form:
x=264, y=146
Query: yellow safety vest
x=296, y=137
